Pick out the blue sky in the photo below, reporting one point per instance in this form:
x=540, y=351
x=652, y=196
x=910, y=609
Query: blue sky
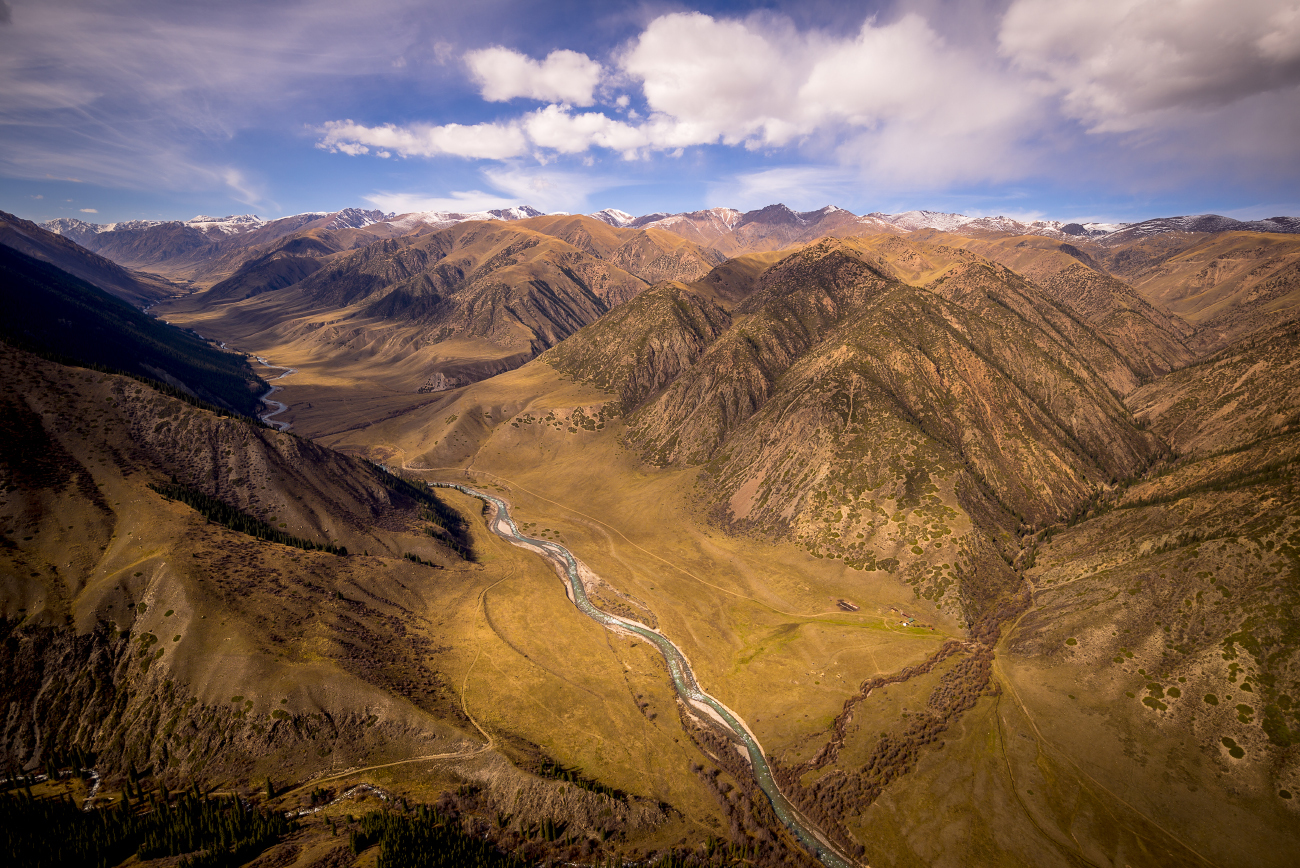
x=1064, y=109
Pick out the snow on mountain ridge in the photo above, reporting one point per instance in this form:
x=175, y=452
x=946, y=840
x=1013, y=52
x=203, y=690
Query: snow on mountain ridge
x=613, y=217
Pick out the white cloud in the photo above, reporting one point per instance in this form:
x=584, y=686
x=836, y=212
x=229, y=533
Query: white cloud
x=549, y=190
x=710, y=80
x=896, y=97
x=563, y=77
x=487, y=141
x=468, y=201
x=245, y=190
x=902, y=106
x=557, y=128
x=1123, y=65
x=802, y=188
x=89, y=210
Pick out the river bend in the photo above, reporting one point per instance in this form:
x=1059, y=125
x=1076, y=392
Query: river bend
x=500, y=523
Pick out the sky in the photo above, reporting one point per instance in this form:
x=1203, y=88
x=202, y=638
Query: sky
x=1107, y=110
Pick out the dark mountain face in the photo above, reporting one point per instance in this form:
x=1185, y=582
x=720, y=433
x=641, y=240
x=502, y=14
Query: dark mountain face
x=30, y=239
x=52, y=312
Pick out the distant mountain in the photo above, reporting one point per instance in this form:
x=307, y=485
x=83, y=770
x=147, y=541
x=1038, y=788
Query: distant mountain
x=434, y=220
x=1202, y=223
x=205, y=246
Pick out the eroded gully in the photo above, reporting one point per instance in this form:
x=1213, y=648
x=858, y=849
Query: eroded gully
x=500, y=523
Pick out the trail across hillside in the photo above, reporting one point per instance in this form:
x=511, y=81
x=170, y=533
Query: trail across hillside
x=500, y=523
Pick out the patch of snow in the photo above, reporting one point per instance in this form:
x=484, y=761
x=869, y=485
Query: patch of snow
x=355, y=218
x=614, y=217
x=230, y=225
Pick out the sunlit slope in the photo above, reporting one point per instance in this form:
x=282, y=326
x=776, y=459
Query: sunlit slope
x=650, y=254
x=217, y=658
x=1159, y=657
x=283, y=263
x=171, y=607
x=1224, y=401
x=902, y=429
x=759, y=619
x=923, y=418
x=418, y=313
x=1227, y=285
x=732, y=281
x=1151, y=339
x=642, y=345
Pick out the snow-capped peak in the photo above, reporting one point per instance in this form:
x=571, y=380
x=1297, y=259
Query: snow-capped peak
x=228, y=225
x=613, y=217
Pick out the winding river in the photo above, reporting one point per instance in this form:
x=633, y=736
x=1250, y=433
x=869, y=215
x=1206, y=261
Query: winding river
x=500, y=523
x=279, y=406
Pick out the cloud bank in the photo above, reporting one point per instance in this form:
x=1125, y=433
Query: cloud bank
x=897, y=101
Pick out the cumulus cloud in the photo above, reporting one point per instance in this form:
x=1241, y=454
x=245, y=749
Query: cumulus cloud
x=754, y=82
x=487, y=141
x=557, y=128
x=563, y=77
x=1121, y=66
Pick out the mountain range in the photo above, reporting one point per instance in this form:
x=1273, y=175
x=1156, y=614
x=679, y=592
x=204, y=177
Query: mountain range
x=986, y=531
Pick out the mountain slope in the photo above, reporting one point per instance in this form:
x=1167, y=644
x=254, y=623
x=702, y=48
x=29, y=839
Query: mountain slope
x=28, y=238
x=1226, y=285
x=50, y=311
x=1150, y=339
x=93, y=561
x=861, y=416
x=641, y=345
x=506, y=284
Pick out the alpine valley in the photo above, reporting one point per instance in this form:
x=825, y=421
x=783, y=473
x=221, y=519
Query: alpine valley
x=885, y=540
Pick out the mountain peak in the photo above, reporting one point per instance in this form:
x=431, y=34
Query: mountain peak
x=614, y=217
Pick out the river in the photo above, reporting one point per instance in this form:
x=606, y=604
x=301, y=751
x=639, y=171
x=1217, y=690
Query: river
x=500, y=523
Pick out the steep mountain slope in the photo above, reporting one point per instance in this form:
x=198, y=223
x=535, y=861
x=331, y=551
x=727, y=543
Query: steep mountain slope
x=642, y=345
x=883, y=415
x=1223, y=402
x=284, y=263
x=899, y=428
x=1170, y=612
x=503, y=283
x=205, y=250
x=732, y=281
x=173, y=614
x=1152, y=340
x=650, y=254
x=405, y=317
x=51, y=312
x=28, y=238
